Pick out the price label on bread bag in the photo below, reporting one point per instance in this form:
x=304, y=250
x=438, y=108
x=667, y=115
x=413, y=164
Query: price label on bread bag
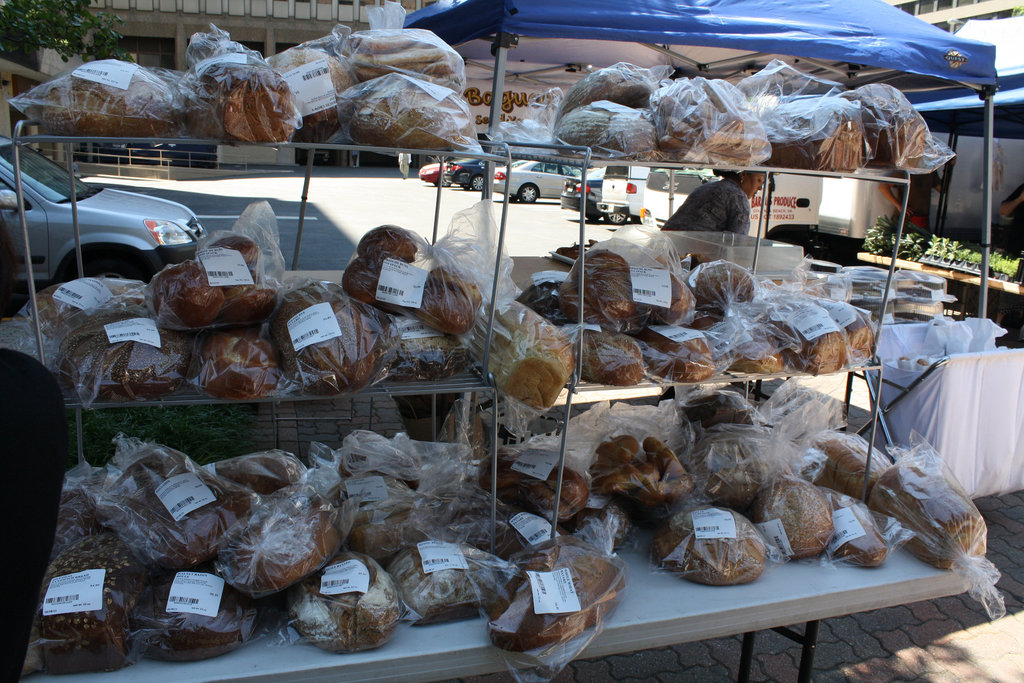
x=531, y=527
x=843, y=314
x=812, y=322
x=712, y=523
x=85, y=293
x=414, y=329
x=651, y=286
x=224, y=267
x=438, y=555
x=848, y=528
x=312, y=86
x=367, y=489
x=776, y=535
x=112, y=72
x=183, y=493
x=401, y=283
x=142, y=330
x=596, y=501
x=938, y=295
x=438, y=92
x=78, y=592
x=350, y=576
x=677, y=334
x=553, y=592
x=195, y=593
x=313, y=325
x=549, y=276
x=224, y=58
x=536, y=463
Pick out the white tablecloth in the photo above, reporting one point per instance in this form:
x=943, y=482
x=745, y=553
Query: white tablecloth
x=971, y=410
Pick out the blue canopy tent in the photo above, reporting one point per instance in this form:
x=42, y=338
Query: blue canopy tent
x=852, y=41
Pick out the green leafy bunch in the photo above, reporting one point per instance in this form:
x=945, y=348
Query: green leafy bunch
x=881, y=238
x=65, y=26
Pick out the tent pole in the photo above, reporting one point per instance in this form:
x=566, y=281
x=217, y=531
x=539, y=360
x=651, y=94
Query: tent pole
x=986, y=215
x=502, y=41
x=947, y=178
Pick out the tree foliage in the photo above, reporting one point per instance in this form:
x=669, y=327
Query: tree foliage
x=66, y=26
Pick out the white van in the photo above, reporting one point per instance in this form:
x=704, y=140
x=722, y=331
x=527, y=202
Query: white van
x=622, y=194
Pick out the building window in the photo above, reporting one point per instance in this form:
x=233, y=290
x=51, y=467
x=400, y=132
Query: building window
x=157, y=52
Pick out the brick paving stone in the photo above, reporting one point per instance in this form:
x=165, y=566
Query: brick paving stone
x=894, y=640
x=923, y=633
x=877, y=670
x=694, y=654
x=923, y=611
x=884, y=619
x=647, y=663
x=850, y=630
x=778, y=667
x=591, y=670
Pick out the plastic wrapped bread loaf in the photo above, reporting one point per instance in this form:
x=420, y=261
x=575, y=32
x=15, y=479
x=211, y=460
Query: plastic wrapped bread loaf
x=709, y=549
x=610, y=130
x=676, y=354
x=859, y=538
x=611, y=358
x=622, y=83
x=705, y=121
x=846, y=455
x=817, y=133
x=533, y=488
x=262, y=472
x=107, y=98
x=895, y=133
x=648, y=474
x=239, y=364
x=803, y=512
x=729, y=463
x=350, y=605
x=417, y=53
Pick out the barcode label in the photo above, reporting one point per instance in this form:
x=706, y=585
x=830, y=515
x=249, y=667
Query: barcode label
x=401, y=283
x=938, y=295
x=112, y=72
x=775, y=533
x=142, y=330
x=367, y=489
x=548, y=276
x=438, y=92
x=85, y=293
x=183, y=493
x=813, y=322
x=350, y=576
x=532, y=528
x=438, y=555
x=313, y=87
x=553, y=592
x=414, y=329
x=224, y=267
x=677, y=334
x=842, y=314
x=847, y=528
x=713, y=523
x=314, y=325
x=195, y=593
x=651, y=286
x=78, y=592
x=536, y=463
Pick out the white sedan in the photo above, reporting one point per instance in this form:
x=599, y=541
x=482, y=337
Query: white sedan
x=533, y=180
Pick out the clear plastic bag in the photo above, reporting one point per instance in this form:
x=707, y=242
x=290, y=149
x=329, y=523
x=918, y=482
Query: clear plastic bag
x=817, y=133
x=443, y=581
x=171, y=511
x=423, y=354
x=178, y=619
x=731, y=462
x=862, y=538
x=423, y=465
x=388, y=48
x=779, y=82
x=234, y=279
x=710, y=545
x=238, y=363
x=677, y=354
x=703, y=121
x=397, y=110
x=611, y=358
x=107, y=98
x=623, y=83
x=795, y=516
x=611, y=130
x=720, y=284
x=540, y=295
x=706, y=407
x=923, y=495
x=759, y=351
x=629, y=280
x=895, y=132
x=96, y=636
x=396, y=270
x=539, y=637
x=528, y=476
x=289, y=536
x=857, y=328
x=317, y=71
x=816, y=344
x=232, y=94
x=646, y=472
x=329, y=343
x=350, y=605
x=76, y=516
x=262, y=472
x=604, y=516
x=534, y=124
x=122, y=356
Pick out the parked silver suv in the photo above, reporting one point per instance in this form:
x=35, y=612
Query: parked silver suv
x=123, y=233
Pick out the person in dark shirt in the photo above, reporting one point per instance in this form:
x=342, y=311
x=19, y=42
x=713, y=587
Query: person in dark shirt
x=723, y=206
x=1013, y=208
x=35, y=445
